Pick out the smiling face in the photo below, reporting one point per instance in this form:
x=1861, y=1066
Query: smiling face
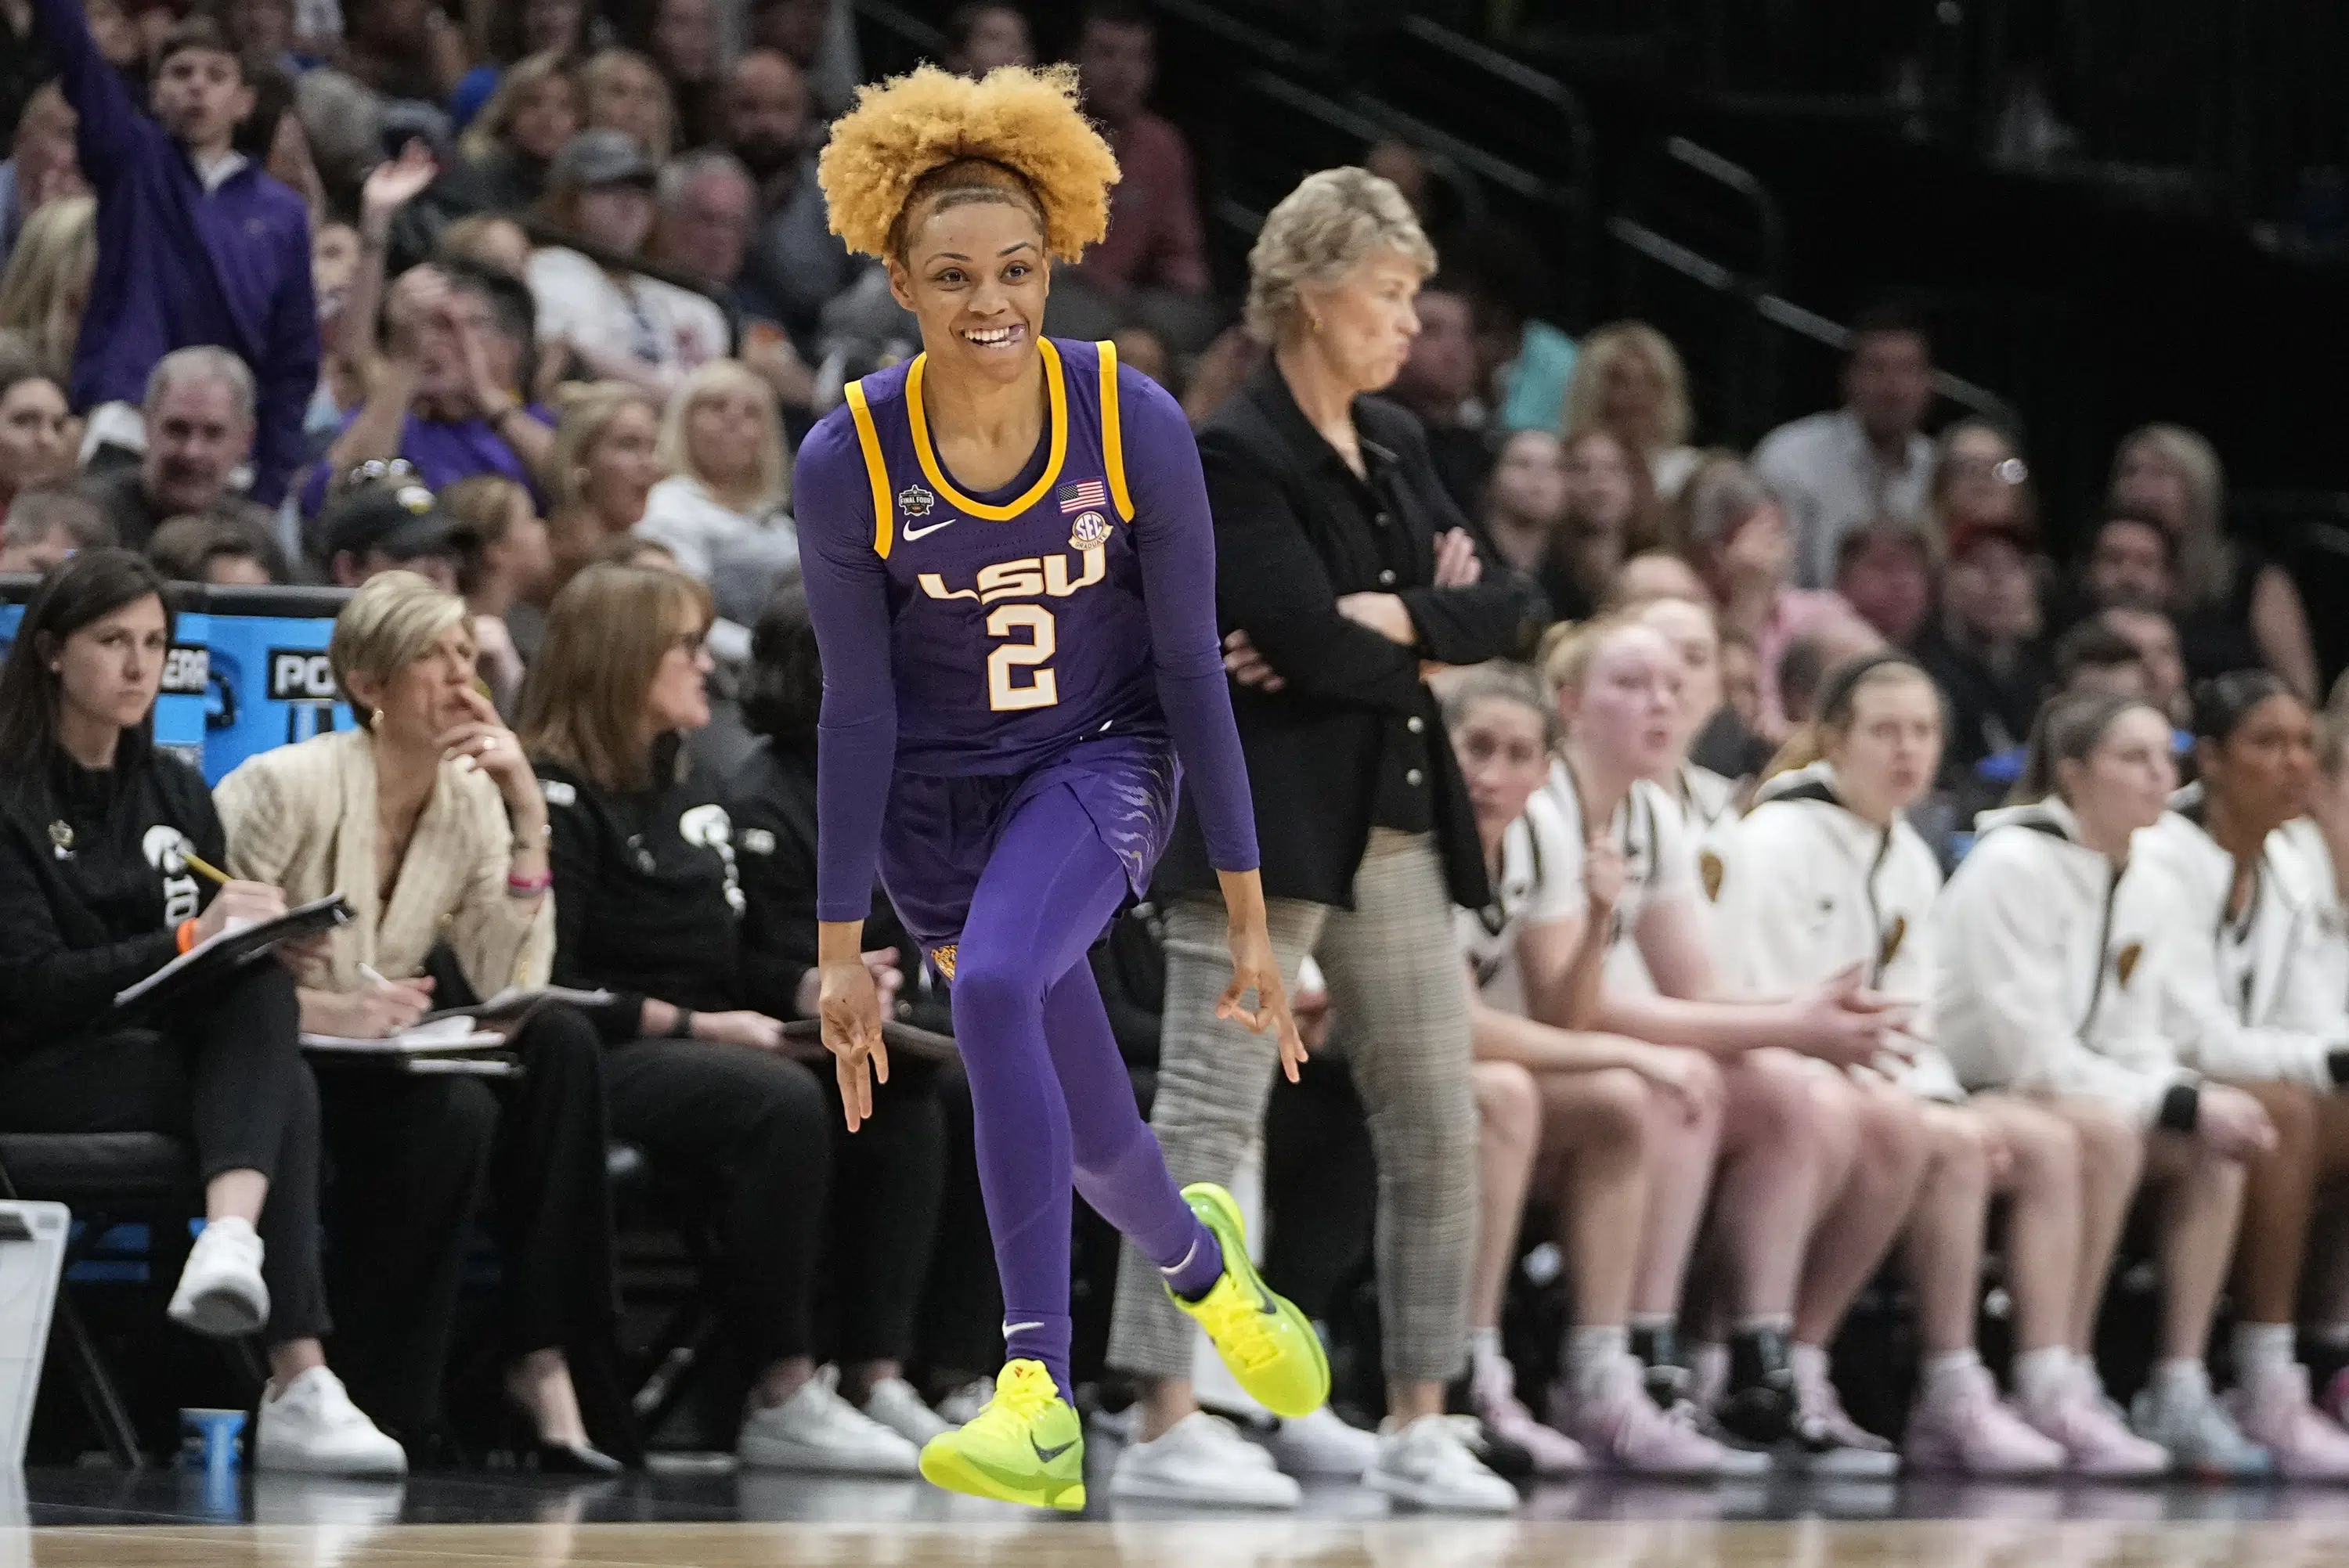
x=974, y=274
x=109, y=671
x=1504, y=758
x=196, y=435
x=1628, y=712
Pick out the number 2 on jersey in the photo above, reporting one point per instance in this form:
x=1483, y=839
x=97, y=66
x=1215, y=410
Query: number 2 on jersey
x=1002, y=695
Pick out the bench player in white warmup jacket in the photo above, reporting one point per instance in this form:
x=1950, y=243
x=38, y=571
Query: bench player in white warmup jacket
x=1824, y=876
x=2051, y=947
x=2263, y=1008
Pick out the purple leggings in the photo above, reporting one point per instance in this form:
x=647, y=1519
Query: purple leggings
x=1048, y=1091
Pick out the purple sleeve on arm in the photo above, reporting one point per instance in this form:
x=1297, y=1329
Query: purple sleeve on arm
x=1175, y=534
x=848, y=603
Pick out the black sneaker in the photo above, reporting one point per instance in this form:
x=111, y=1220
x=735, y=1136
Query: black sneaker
x=1759, y=1407
x=1658, y=1351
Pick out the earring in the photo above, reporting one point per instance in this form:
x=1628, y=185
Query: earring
x=1317, y=324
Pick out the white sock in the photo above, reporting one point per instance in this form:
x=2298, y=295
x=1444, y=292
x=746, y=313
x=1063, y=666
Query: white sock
x=1591, y=1352
x=2180, y=1378
x=1485, y=1345
x=2262, y=1349
x=1807, y=1361
x=2041, y=1376
x=1765, y=1322
x=1941, y=1376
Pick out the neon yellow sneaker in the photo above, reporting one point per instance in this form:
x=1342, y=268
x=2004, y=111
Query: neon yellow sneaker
x=1026, y=1447
x=1268, y=1344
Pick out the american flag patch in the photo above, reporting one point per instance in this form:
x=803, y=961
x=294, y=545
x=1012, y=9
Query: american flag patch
x=1084, y=493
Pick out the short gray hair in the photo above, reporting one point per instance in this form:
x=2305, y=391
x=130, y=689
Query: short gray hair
x=203, y=362
x=679, y=173
x=1333, y=221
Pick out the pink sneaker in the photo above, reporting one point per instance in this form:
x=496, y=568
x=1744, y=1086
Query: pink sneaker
x=2274, y=1410
x=1493, y=1395
x=1622, y=1429
x=1969, y=1430
x=2096, y=1443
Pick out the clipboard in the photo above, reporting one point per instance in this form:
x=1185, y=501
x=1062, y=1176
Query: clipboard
x=220, y=957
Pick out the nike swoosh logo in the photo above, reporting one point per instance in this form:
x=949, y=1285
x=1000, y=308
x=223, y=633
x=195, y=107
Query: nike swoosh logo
x=1011, y=1328
x=914, y=533
x=1049, y=1455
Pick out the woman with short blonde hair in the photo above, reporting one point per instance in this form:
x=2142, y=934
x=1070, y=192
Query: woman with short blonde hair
x=721, y=446
x=46, y=284
x=652, y=908
x=1628, y=378
x=1344, y=568
x=428, y=822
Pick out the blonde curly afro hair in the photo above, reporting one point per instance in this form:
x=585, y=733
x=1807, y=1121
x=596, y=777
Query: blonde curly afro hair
x=922, y=135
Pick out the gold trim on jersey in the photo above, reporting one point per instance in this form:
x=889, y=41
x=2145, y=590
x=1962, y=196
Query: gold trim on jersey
x=1055, y=388
x=1113, y=433
x=877, y=471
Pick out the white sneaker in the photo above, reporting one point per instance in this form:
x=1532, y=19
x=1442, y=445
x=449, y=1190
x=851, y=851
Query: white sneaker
x=962, y=1407
x=1323, y=1444
x=815, y=1429
x=1202, y=1460
x=311, y=1424
x=1426, y=1465
x=893, y=1404
x=220, y=1292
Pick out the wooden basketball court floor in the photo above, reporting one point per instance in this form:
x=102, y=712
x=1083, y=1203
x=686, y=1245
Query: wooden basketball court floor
x=166, y=1520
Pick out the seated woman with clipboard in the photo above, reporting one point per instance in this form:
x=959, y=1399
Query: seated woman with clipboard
x=100, y=837
x=429, y=821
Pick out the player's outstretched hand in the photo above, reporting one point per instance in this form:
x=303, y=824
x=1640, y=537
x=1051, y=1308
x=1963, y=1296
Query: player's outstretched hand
x=848, y=1004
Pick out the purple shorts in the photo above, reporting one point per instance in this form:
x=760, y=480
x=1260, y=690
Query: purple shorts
x=939, y=833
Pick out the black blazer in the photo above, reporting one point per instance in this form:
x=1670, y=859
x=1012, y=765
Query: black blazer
x=1354, y=727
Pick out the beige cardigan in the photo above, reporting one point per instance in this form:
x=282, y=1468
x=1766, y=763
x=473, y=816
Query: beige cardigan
x=303, y=818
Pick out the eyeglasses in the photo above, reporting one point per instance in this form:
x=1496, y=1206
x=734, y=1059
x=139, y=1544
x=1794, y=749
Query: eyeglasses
x=378, y=469
x=691, y=643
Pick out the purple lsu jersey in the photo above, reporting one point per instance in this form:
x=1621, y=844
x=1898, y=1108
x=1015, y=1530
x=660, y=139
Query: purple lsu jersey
x=1017, y=624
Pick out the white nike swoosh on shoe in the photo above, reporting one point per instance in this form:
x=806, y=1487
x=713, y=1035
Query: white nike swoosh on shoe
x=914, y=533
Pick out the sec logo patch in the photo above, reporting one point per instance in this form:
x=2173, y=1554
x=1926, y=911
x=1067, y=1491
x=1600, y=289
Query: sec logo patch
x=1090, y=531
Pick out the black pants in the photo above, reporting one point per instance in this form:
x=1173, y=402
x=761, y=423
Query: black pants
x=229, y=1078
x=414, y=1159
x=757, y=1140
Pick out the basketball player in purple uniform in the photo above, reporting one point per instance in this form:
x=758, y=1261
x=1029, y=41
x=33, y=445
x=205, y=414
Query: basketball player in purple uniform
x=1010, y=569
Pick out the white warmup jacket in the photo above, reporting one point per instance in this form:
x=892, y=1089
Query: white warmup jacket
x=1659, y=865
x=1810, y=889
x=2047, y=965
x=2256, y=996
x=2303, y=839
x=1540, y=884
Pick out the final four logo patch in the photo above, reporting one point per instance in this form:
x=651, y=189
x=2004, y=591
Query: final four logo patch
x=1893, y=936
x=1091, y=530
x=915, y=501
x=1710, y=870
x=2126, y=964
